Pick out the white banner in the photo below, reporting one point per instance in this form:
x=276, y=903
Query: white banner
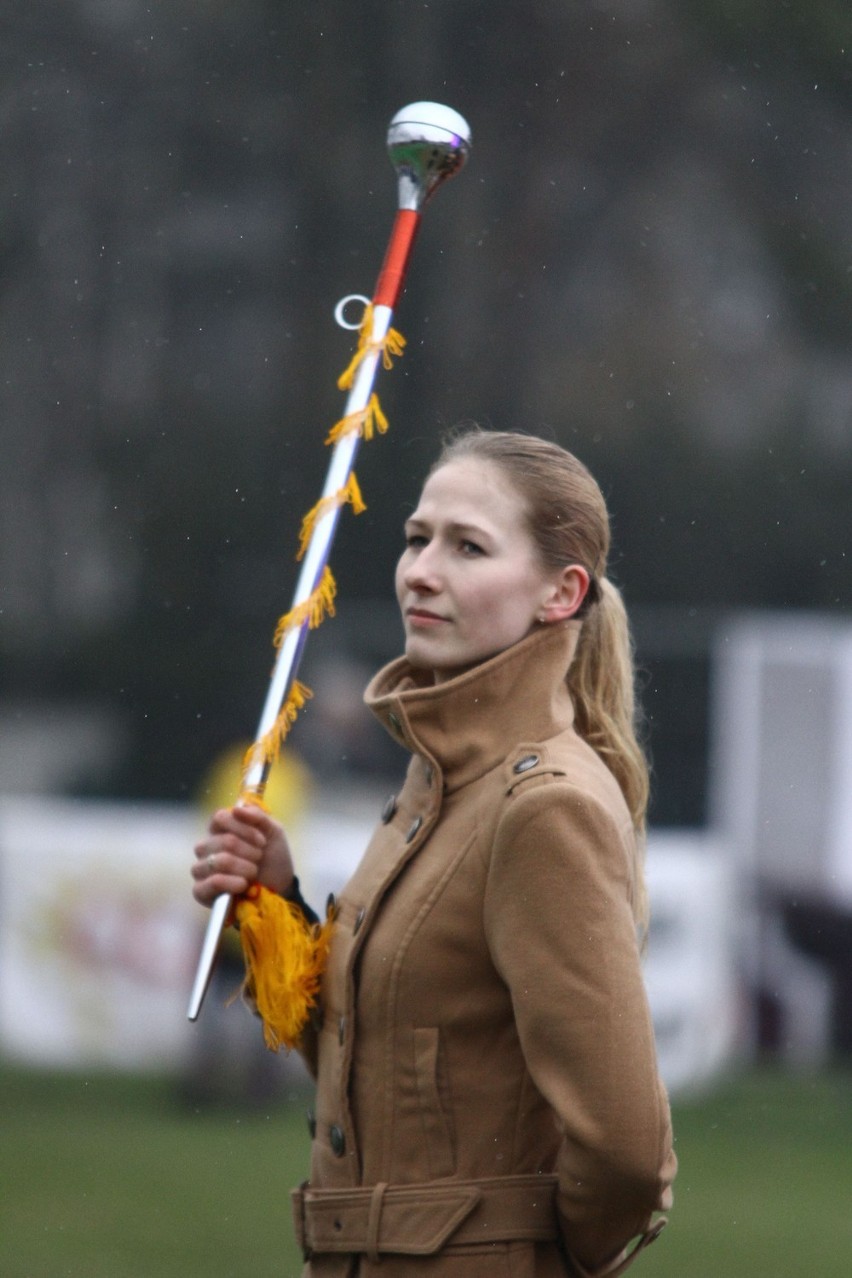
x=99, y=935
x=98, y=931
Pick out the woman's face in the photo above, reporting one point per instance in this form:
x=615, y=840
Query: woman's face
x=469, y=582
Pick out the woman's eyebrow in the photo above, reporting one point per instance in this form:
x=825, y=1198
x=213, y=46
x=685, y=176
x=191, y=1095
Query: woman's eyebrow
x=456, y=527
x=476, y=529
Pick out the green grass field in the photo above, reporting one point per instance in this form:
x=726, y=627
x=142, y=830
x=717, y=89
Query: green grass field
x=112, y=1177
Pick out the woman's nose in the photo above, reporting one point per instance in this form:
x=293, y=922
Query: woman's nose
x=423, y=572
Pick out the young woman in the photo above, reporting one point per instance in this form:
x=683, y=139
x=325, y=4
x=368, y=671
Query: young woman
x=488, y=1103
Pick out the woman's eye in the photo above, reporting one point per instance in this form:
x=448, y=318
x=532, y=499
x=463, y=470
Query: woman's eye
x=471, y=548
x=415, y=540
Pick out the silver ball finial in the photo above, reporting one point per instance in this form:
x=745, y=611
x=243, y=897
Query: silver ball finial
x=427, y=143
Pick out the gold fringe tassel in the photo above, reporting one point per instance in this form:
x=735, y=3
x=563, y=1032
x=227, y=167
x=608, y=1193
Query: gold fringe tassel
x=268, y=748
x=315, y=609
x=391, y=346
x=285, y=957
x=364, y=422
x=350, y=492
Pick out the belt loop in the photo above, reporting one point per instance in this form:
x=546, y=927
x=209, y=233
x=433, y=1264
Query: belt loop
x=297, y=1198
x=373, y=1222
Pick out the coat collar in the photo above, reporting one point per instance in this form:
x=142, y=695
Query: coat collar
x=469, y=724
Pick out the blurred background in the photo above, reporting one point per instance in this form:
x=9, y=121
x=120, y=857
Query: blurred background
x=649, y=259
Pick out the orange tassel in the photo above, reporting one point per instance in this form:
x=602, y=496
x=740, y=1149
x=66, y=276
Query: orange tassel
x=285, y=958
x=318, y=606
x=365, y=421
x=353, y=495
x=267, y=749
x=391, y=346
x=349, y=493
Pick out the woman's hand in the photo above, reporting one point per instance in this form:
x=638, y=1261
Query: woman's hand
x=244, y=845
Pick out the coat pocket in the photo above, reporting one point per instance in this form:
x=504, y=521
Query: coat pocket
x=432, y=1093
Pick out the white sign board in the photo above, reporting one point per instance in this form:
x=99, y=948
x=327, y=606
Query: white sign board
x=98, y=931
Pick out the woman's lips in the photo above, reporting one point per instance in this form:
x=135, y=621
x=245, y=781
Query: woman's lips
x=422, y=617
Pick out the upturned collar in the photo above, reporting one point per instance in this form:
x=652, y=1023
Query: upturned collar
x=470, y=723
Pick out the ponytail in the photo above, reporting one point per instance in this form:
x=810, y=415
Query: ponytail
x=601, y=681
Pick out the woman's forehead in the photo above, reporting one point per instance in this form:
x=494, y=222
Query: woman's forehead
x=471, y=490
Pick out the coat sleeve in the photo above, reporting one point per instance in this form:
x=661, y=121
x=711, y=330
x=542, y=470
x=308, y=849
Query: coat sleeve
x=561, y=934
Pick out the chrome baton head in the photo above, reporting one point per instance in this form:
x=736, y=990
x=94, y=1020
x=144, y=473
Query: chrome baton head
x=427, y=143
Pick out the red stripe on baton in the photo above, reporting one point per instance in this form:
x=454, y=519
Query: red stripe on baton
x=392, y=275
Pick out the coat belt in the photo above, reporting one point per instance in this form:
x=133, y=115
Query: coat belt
x=420, y=1219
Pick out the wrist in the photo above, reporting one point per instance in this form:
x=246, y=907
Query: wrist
x=294, y=896
x=291, y=892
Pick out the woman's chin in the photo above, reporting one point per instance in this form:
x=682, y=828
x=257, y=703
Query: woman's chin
x=416, y=656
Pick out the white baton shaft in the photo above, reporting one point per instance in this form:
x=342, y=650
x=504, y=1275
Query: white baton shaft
x=428, y=143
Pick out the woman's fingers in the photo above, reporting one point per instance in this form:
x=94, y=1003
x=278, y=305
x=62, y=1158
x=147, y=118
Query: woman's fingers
x=249, y=824
x=206, y=891
x=243, y=845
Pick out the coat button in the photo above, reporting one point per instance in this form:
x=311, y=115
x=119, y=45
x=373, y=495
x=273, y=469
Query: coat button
x=337, y=1141
x=359, y=919
x=524, y=765
x=389, y=810
x=413, y=828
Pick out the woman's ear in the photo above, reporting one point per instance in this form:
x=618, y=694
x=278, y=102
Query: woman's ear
x=566, y=595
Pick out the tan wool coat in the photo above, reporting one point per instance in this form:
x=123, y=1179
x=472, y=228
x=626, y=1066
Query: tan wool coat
x=488, y=1103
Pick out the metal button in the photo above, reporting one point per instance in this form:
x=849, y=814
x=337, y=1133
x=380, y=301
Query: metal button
x=413, y=828
x=528, y=761
x=337, y=1140
x=395, y=723
x=341, y=1030
x=389, y=810
x=312, y=1123
x=359, y=919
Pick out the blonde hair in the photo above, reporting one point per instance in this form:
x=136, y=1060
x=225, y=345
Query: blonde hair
x=569, y=523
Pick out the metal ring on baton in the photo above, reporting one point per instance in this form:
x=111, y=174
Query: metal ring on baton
x=428, y=143
x=340, y=308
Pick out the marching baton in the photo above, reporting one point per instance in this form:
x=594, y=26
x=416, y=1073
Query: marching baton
x=428, y=143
